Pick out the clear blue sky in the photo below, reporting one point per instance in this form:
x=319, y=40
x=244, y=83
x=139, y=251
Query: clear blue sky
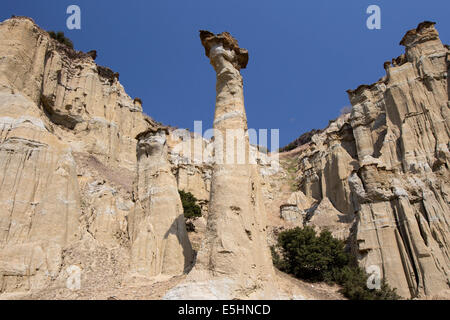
x=304, y=55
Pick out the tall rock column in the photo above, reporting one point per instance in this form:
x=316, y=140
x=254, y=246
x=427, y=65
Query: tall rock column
x=160, y=244
x=234, y=260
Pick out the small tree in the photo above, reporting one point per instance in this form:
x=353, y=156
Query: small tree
x=312, y=257
x=353, y=280
x=61, y=38
x=190, y=206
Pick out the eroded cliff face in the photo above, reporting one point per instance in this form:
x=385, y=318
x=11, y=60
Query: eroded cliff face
x=69, y=156
x=89, y=181
x=384, y=169
x=160, y=244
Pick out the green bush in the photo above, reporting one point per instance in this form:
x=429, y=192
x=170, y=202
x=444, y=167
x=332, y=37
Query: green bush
x=277, y=260
x=314, y=258
x=61, y=38
x=311, y=257
x=190, y=207
x=353, y=280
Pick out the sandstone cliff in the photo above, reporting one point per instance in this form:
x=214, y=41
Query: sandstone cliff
x=90, y=208
x=382, y=172
x=71, y=149
x=90, y=182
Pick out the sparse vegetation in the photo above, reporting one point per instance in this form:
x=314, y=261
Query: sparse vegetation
x=303, y=139
x=291, y=167
x=190, y=206
x=61, y=38
x=289, y=147
x=312, y=257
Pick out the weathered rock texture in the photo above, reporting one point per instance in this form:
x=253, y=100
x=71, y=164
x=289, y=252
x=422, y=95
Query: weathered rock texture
x=68, y=162
x=384, y=170
x=234, y=260
x=88, y=181
x=160, y=244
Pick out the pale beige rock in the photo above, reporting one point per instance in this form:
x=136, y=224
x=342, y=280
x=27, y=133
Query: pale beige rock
x=234, y=260
x=326, y=217
x=39, y=196
x=160, y=244
x=385, y=167
x=296, y=208
x=190, y=158
x=68, y=162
